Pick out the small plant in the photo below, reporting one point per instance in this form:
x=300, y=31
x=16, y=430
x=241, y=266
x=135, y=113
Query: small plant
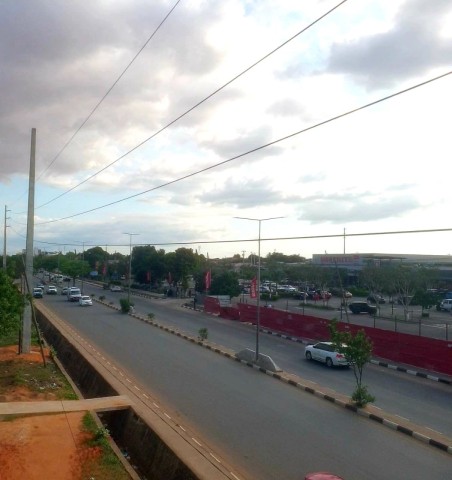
x=151, y=316
x=101, y=298
x=202, y=334
x=126, y=305
x=52, y=352
x=92, y=295
x=362, y=397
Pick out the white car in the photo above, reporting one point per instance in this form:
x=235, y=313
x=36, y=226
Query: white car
x=446, y=305
x=52, y=290
x=85, y=300
x=115, y=288
x=325, y=352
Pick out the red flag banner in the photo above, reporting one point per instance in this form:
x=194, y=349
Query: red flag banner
x=148, y=276
x=208, y=279
x=170, y=280
x=104, y=270
x=253, y=289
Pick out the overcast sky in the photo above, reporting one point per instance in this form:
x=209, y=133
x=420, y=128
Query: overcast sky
x=132, y=150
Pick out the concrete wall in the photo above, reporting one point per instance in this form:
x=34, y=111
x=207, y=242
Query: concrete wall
x=153, y=458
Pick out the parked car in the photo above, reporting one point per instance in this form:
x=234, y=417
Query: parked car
x=37, y=292
x=52, y=290
x=446, y=305
x=64, y=290
x=85, y=300
x=362, y=307
x=376, y=298
x=115, y=288
x=325, y=352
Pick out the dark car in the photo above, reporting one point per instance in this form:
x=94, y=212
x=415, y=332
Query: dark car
x=376, y=298
x=362, y=307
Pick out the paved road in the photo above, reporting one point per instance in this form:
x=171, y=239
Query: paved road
x=268, y=428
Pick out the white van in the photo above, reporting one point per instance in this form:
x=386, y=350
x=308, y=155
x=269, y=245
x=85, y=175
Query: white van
x=74, y=294
x=446, y=304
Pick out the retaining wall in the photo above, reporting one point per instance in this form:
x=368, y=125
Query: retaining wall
x=153, y=458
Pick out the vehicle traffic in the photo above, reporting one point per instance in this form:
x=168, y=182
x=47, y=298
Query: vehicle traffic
x=326, y=353
x=37, y=292
x=74, y=294
x=85, y=300
x=52, y=290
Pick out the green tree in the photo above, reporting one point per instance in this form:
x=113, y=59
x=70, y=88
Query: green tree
x=96, y=258
x=226, y=283
x=357, y=349
x=11, y=307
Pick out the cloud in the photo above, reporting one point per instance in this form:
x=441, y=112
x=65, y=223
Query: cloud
x=359, y=207
x=411, y=48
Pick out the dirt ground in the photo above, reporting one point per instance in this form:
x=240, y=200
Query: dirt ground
x=39, y=446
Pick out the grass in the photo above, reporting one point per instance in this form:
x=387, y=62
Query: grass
x=101, y=462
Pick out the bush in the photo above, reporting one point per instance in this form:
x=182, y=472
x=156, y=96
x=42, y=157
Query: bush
x=202, y=334
x=362, y=397
x=126, y=305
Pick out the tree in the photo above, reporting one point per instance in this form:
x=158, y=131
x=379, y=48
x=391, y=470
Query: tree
x=226, y=283
x=11, y=306
x=357, y=349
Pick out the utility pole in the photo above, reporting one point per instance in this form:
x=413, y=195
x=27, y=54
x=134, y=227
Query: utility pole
x=130, y=263
x=26, y=323
x=4, y=238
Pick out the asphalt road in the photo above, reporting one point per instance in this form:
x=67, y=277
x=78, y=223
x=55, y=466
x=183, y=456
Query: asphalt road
x=263, y=426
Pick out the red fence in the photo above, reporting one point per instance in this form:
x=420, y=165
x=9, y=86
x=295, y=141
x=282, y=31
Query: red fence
x=422, y=352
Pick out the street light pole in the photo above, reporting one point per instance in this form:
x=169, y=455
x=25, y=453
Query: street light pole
x=258, y=314
x=130, y=263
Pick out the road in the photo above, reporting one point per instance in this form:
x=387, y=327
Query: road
x=266, y=427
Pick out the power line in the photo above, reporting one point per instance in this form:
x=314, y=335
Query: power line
x=109, y=90
x=185, y=177
x=270, y=239
x=195, y=106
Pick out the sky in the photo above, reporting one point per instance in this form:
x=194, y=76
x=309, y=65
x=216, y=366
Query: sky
x=159, y=123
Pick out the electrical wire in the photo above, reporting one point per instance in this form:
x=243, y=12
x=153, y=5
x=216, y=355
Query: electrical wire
x=196, y=105
x=185, y=177
x=270, y=239
x=110, y=89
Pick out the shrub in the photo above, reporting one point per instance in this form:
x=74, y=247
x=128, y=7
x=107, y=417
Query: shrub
x=202, y=334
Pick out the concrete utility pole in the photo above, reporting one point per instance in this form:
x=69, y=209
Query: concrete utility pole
x=4, y=238
x=26, y=324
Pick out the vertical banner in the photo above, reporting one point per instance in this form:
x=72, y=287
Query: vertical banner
x=148, y=276
x=208, y=279
x=170, y=280
x=253, y=289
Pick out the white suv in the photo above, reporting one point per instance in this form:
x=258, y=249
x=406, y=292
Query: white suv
x=446, y=304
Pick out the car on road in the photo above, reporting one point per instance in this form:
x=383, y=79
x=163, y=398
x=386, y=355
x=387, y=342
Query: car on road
x=115, y=288
x=325, y=352
x=376, y=298
x=64, y=290
x=85, y=300
x=74, y=294
x=37, y=292
x=362, y=307
x=52, y=290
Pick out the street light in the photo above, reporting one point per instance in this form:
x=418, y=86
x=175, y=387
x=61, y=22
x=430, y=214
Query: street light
x=130, y=262
x=258, y=314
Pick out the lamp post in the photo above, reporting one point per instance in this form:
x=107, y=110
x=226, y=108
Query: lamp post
x=258, y=314
x=130, y=262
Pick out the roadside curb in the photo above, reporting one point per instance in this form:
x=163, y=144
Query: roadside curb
x=426, y=435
